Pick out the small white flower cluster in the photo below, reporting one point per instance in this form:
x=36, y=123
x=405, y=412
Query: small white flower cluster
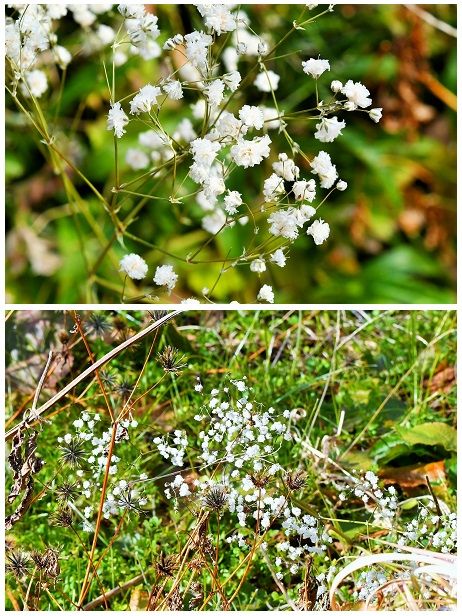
x=240, y=439
x=136, y=268
x=368, y=582
x=428, y=529
x=31, y=41
x=123, y=497
x=224, y=142
x=175, y=451
x=88, y=430
x=239, y=539
x=383, y=502
x=220, y=137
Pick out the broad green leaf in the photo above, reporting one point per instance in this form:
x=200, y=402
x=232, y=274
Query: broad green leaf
x=433, y=433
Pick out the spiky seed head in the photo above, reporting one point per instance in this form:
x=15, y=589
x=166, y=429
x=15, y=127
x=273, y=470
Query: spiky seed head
x=259, y=480
x=67, y=491
x=17, y=563
x=166, y=565
x=295, y=479
x=73, y=453
x=62, y=517
x=171, y=360
x=216, y=498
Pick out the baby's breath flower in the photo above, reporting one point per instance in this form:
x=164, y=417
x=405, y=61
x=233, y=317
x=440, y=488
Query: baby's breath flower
x=145, y=99
x=266, y=294
x=319, y=231
x=117, y=119
x=165, y=276
x=267, y=81
x=376, y=114
x=37, y=83
x=329, y=129
x=357, y=94
x=134, y=266
x=315, y=67
x=278, y=257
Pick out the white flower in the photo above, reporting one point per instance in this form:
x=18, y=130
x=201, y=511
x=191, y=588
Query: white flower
x=136, y=159
x=117, y=119
x=336, y=86
x=232, y=80
x=217, y=17
x=315, y=67
x=278, y=257
x=258, y=265
x=145, y=99
x=196, y=48
x=152, y=139
x=283, y=223
x=357, y=94
x=165, y=276
x=250, y=153
x=173, y=89
x=341, y=185
x=304, y=213
x=267, y=81
x=36, y=83
x=185, y=131
x=105, y=34
x=214, y=222
x=63, y=56
x=323, y=167
x=204, y=151
x=375, y=114
x=286, y=168
x=271, y=117
x=134, y=266
x=329, y=129
x=304, y=190
x=273, y=186
x=214, y=92
x=266, y=294
x=262, y=48
x=184, y=490
x=173, y=42
x=319, y=230
x=232, y=201
x=252, y=116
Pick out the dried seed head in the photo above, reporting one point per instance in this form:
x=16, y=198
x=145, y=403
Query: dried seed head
x=175, y=602
x=47, y=562
x=98, y=324
x=171, y=360
x=67, y=491
x=197, y=563
x=73, y=453
x=216, y=498
x=18, y=563
x=108, y=379
x=155, y=315
x=124, y=389
x=197, y=595
x=295, y=479
x=166, y=565
x=259, y=480
x=62, y=517
x=63, y=337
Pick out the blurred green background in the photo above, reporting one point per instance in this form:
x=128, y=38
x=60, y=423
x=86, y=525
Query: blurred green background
x=393, y=232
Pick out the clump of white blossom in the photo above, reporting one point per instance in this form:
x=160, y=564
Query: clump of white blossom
x=238, y=441
x=89, y=441
x=216, y=136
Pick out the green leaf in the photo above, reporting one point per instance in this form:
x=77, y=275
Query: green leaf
x=433, y=433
